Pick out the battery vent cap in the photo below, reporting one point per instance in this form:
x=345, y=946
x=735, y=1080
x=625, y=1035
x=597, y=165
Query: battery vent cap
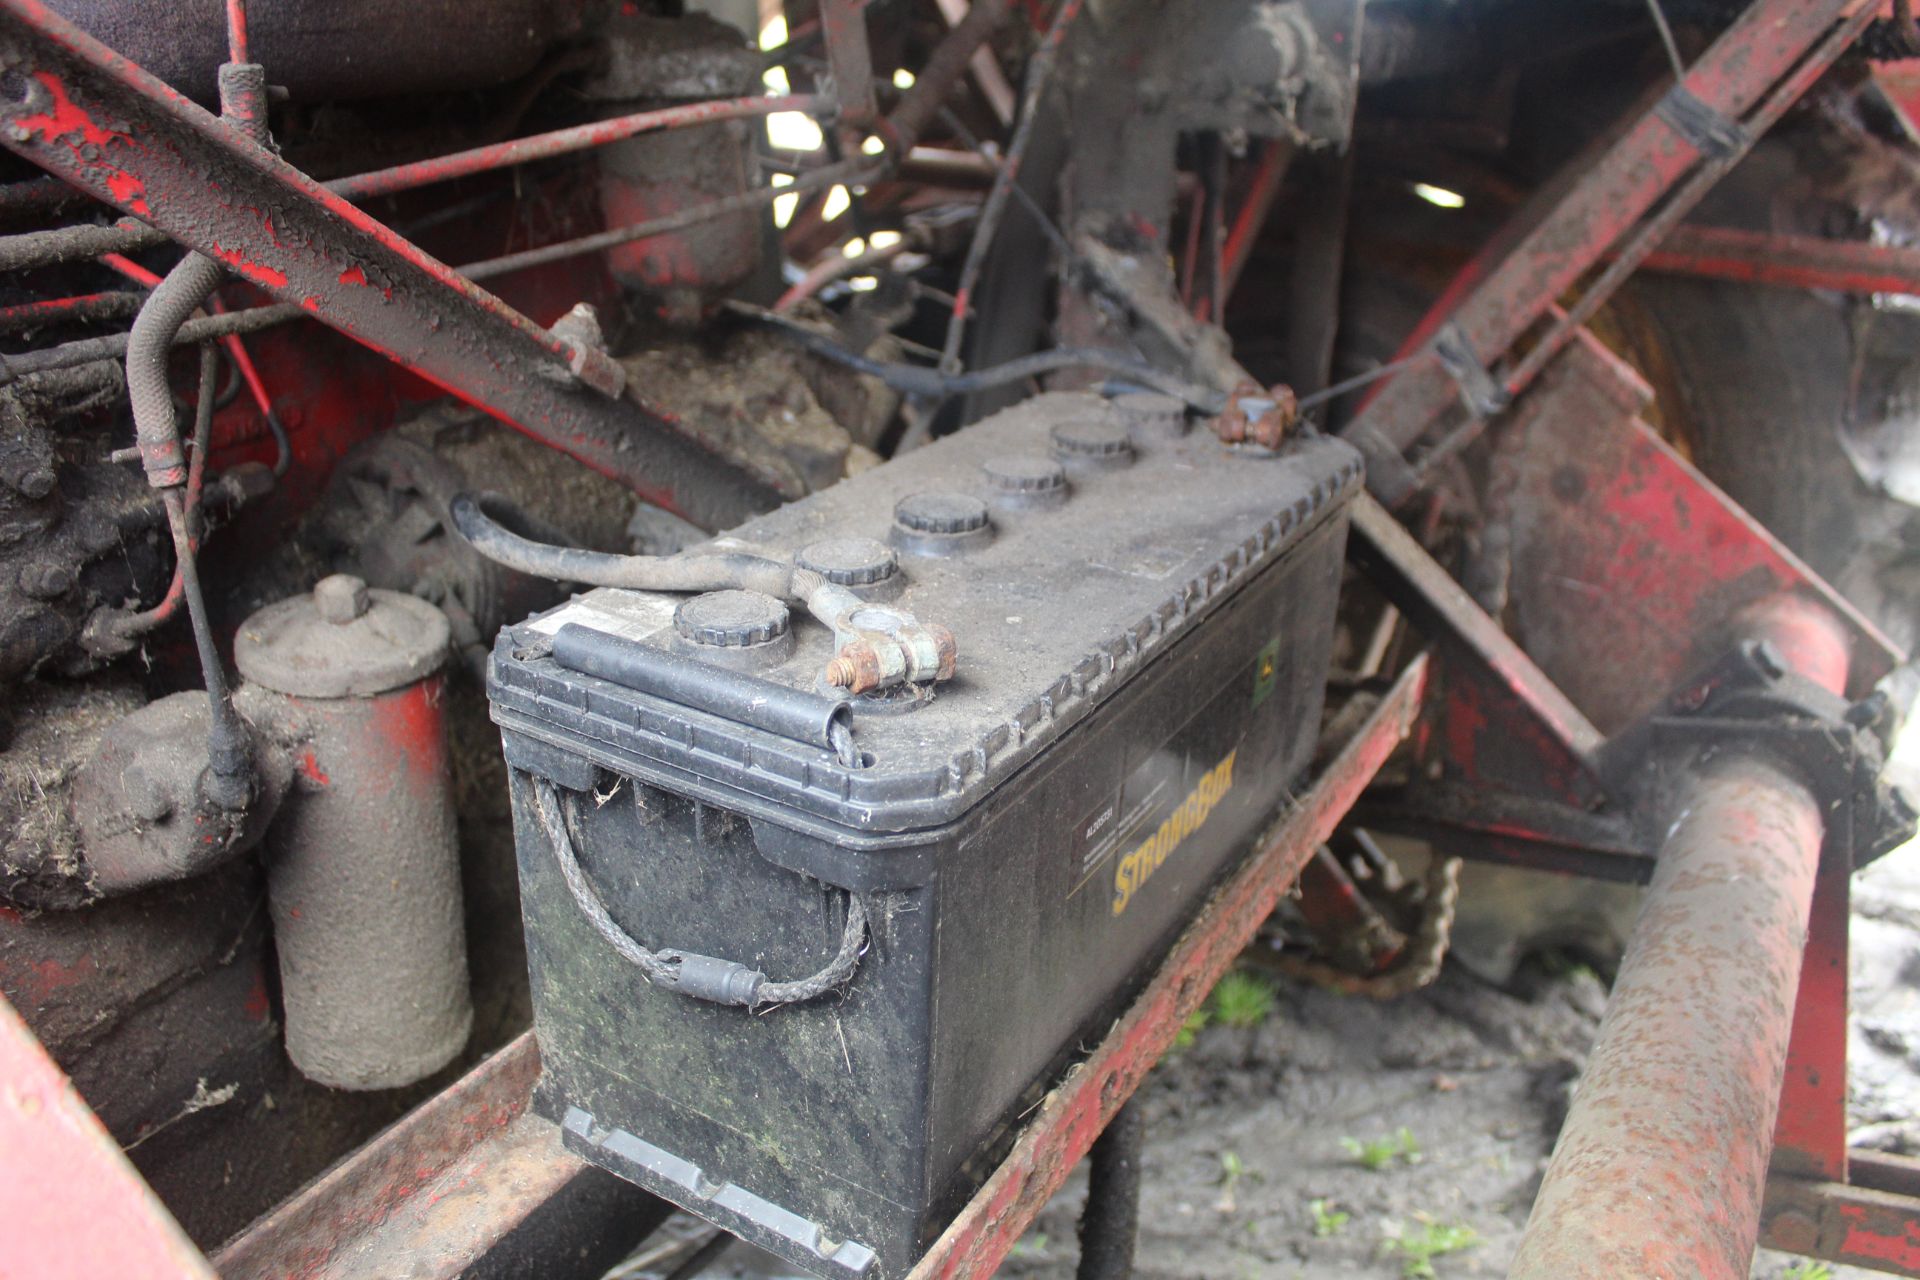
x=1026, y=480
x=1152, y=415
x=850, y=562
x=940, y=524
x=1092, y=442
x=731, y=619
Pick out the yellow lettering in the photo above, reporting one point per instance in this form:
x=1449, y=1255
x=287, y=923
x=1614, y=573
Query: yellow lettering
x=1132, y=872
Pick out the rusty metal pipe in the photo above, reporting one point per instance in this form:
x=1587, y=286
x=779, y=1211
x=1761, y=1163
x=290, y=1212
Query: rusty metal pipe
x=943, y=70
x=1661, y=1164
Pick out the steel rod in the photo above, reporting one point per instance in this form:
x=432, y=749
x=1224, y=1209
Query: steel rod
x=1661, y=1166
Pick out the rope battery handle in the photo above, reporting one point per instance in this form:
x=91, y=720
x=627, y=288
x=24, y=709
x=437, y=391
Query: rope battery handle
x=708, y=978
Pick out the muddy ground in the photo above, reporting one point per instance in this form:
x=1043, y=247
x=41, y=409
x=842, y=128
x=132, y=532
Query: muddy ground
x=1249, y=1127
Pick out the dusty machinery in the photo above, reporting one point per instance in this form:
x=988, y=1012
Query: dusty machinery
x=776, y=683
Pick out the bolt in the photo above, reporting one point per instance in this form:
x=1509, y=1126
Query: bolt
x=1767, y=660
x=35, y=482
x=46, y=581
x=1794, y=1231
x=340, y=598
x=856, y=668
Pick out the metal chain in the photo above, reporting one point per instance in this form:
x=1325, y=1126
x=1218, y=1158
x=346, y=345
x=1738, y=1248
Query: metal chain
x=1418, y=963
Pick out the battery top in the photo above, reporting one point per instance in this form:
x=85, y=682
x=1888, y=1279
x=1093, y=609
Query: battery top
x=1053, y=608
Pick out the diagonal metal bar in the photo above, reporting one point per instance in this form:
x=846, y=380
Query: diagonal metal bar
x=1701, y=127
x=89, y=116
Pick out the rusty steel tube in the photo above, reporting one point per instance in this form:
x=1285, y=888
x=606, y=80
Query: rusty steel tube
x=1661, y=1165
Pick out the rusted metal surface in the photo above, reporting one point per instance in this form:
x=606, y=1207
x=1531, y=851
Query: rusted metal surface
x=1651, y=158
x=1258, y=417
x=1629, y=568
x=1661, y=1163
x=93, y=118
x=843, y=26
x=1872, y=1220
x=1504, y=696
x=903, y=127
x=73, y=1206
x=1788, y=261
x=468, y=1184
x=1073, y=1115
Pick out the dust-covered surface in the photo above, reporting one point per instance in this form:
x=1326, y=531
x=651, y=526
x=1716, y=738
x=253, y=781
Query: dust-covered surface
x=746, y=398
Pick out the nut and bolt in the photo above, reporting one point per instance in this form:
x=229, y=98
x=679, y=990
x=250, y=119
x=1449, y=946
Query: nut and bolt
x=340, y=598
x=1257, y=417
x=586, y=346
x=46, y=581
x=1794, y=1231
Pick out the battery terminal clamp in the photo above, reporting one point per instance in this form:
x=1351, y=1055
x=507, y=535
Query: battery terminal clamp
x=879, y=646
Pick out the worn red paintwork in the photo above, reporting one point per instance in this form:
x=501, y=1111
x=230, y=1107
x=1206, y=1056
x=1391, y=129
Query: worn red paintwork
x=1503, y=295
x=73, y=1207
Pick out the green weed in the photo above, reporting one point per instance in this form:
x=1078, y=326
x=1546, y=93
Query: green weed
x=1327, y=1221
x=1417, y=1250
x=1378, y=1153
x=1808, y=1269
x=1242, y=1000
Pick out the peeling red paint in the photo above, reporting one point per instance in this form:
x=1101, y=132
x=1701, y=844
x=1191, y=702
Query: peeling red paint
x=67, y=117
x=353, y=275
x=128, y=191
x=261, y=274
x=258, y=1007
x=310, y=768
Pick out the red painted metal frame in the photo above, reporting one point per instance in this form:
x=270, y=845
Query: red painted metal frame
x=1511, y=698
x=91, y=117
x=560, y=142
x=1788, y=261
x=468, y=1179
x=71, y=1204
x=1630, y=568
x=1494, y=305
x=1660, y=1167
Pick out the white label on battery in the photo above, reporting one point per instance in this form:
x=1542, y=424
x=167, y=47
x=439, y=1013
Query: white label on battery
x=615, y=611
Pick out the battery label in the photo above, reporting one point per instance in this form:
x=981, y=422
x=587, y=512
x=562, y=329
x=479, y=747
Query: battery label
x=1165, y=798
x=1137, y=867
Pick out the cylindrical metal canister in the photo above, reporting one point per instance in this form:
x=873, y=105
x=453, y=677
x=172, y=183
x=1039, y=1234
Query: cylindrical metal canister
x=363, y=873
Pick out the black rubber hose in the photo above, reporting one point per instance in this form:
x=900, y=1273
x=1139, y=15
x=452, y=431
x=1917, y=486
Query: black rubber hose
x=1111, y=1221
x=155, y=428
x=688, y=571
x=918, y=380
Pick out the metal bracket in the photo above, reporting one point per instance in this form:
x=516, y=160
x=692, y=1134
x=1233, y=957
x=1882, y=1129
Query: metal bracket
x=1707, y=131
x=1751, y=697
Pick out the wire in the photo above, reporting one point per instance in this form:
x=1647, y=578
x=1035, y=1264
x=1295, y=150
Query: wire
x=1666, y=37
x=663, y=966
x=1358, y=381
x=917, y=380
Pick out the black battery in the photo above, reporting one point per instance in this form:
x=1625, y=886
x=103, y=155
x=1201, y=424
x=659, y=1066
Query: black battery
x=1143, y=619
